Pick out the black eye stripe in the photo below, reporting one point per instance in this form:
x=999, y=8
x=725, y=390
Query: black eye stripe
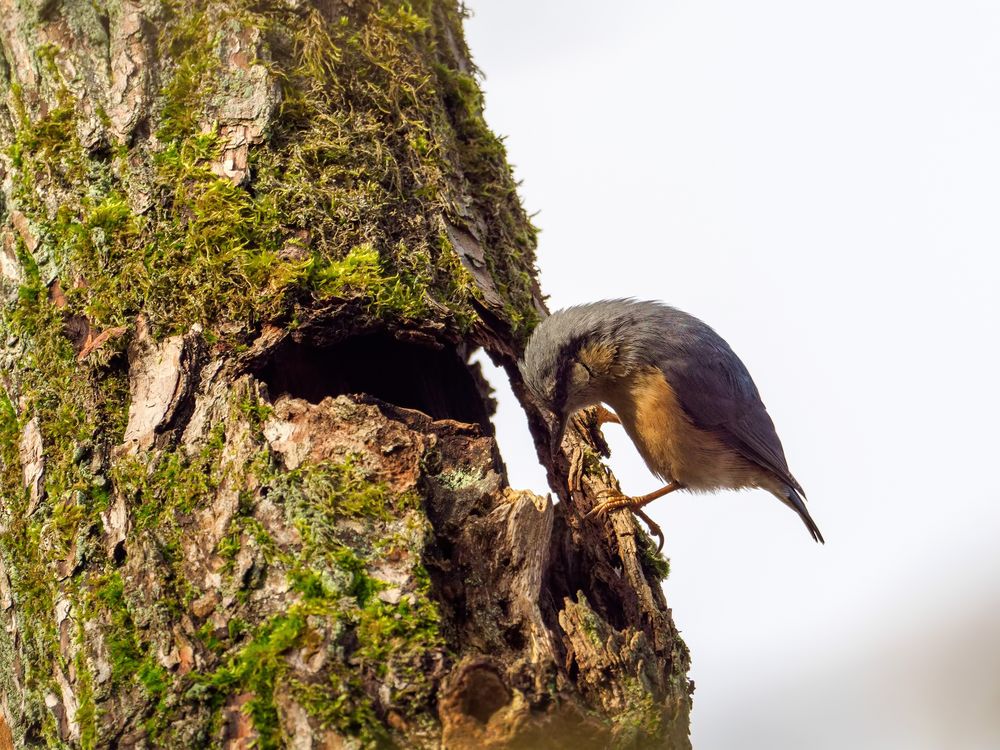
x=559, y=397
x=567, y=359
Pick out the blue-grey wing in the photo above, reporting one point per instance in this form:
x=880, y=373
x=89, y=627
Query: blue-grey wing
x=717, y=392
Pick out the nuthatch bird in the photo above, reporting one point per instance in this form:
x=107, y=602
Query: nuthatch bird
x=677, y=388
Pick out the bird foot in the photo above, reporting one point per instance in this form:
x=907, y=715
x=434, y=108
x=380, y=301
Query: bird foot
x=612, y=499
x=615, y=500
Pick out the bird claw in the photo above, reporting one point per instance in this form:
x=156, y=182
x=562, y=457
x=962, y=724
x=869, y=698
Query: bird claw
x=615, y=500
x=654, y=528
x=609, y=495
x=610, y=499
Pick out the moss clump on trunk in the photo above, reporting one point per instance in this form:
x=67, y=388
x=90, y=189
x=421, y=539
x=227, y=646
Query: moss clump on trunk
x=369, y=141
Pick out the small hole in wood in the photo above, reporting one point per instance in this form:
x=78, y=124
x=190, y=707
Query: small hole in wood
x=484, y=693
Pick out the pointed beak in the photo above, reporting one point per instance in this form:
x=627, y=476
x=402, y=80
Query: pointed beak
x=557, y=428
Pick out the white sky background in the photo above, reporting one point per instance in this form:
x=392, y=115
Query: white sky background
x=821, y=183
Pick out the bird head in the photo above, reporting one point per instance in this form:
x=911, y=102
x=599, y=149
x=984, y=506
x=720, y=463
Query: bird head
x=571, y=357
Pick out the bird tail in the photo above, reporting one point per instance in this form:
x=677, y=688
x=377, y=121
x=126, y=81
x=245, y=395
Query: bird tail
x=794, y=501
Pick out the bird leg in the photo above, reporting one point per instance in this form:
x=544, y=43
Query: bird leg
x=618, y=501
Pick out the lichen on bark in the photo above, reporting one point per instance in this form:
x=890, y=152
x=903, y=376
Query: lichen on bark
x=250, y=494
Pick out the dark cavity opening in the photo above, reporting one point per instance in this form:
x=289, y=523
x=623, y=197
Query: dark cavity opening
x=437, y=382
x=484, y=694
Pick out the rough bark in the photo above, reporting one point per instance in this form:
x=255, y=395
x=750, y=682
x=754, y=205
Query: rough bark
x=250, y=494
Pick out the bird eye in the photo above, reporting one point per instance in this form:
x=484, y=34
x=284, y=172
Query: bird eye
x=579, y=375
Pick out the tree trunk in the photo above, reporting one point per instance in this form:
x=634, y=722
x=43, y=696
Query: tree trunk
x=250, y=493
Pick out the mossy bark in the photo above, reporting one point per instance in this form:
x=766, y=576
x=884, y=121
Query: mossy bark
x=250, y=495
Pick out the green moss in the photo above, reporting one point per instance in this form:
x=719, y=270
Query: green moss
x=342, y=704
x=255, y=669
x=125, y=653
x=386, y=629
x=330, y=571
x=30, y=293
x=10, y=437
x=318, y=494
x=654, y=564
x=236, y=627
x=388, y=637
x=130, y=658
x=71, y=409
x=86, y=712
x=362, y=270
x=52, y=390
x=594, y=628
x=640, y=723
x=32, y=584
x=255, y=410
x=188, y=43
x=229, y=546
x=210, y=640
x=46, y=148
x=261, y=536
x=170, y=483
x=351, y=192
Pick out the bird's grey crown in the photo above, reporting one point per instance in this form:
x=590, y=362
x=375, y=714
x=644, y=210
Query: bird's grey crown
x=640, y=331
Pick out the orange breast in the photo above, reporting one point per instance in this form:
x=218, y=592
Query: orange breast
x=669, y=442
